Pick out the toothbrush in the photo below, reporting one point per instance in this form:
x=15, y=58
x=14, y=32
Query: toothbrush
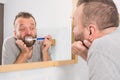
x=38, y=38
x=31, y=39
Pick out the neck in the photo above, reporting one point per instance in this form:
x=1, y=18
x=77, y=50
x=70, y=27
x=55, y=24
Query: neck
x=106, y=31
x=30, y=48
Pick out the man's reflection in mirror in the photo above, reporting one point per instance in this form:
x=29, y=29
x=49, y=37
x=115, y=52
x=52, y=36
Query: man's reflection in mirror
x=17, y=49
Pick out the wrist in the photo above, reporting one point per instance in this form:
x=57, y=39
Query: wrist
x=44, y=51
x=21, y=58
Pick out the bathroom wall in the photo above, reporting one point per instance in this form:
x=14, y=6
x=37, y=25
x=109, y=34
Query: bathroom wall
x=77, y=71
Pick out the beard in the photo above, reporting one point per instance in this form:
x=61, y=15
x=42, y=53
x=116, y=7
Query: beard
x=79, y=37
x=28, y=43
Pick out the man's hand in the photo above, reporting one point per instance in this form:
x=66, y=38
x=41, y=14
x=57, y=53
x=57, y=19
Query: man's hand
x=46, y=44
x=26, y=53
x=22, y=46
x=81, y=48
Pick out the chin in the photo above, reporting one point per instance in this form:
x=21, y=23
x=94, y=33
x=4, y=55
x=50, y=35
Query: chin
x=29, y=44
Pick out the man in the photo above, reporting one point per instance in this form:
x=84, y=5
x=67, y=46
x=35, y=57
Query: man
x=17, y=50
x=97, y=23
x=81, y=48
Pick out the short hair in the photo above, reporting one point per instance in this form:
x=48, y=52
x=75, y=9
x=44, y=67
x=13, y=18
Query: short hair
x=79, y=2
x=109, y=2
x=24, y=15
x=103, y=15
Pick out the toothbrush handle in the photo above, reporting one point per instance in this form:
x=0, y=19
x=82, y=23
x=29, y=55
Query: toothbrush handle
x=40, y=38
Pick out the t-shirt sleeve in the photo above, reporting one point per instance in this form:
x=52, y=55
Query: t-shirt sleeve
x=8, y=52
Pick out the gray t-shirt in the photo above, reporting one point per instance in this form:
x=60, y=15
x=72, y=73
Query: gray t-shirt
x=104, y=57
x=10, y=52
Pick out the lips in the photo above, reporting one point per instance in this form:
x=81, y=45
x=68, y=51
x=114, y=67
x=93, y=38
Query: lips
x=28, y=43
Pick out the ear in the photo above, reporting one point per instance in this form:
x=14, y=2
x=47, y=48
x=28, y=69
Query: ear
x=92, y=31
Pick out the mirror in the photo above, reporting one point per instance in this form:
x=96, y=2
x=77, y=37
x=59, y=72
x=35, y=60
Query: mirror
x=52, y=17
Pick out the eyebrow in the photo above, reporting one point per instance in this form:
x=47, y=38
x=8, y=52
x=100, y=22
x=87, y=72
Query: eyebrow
x=32, y=23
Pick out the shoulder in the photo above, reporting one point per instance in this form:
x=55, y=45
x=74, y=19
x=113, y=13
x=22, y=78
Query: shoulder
x=9, y=41
x=106, y=44
x=108, y=40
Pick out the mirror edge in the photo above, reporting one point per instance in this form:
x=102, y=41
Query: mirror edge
x=35, y=65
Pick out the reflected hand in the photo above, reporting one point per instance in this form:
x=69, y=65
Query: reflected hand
x=46, y=44
x=22, y=46
x=26, y=53
x=81, y=48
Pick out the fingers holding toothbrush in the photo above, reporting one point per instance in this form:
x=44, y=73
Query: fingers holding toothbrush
x=46, y=43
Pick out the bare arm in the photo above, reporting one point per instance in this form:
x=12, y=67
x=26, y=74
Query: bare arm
x=25, y=53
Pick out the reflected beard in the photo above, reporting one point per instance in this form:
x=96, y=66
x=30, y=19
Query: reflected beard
x=28, y=43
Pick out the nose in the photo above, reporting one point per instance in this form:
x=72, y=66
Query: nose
x=28, y=31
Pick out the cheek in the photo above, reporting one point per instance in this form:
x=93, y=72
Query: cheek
x=76, y=30
x=86, y=34
x=34, y=32
x=20, y=34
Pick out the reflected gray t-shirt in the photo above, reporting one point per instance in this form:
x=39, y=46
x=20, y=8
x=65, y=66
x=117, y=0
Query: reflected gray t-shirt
x=10, y=52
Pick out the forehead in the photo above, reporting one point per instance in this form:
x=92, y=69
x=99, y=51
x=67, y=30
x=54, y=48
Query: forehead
x=78, y=11
x=24, y=20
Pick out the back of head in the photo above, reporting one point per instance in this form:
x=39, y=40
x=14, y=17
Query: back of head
x=81, y=1
x=103, y=15
x=109, y=2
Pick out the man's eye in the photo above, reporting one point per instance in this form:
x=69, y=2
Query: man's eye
x=22, y=29
x=32, y=28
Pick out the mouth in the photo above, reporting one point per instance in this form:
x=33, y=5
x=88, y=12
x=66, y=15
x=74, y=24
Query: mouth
x=28, y=41
x=28, y=38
